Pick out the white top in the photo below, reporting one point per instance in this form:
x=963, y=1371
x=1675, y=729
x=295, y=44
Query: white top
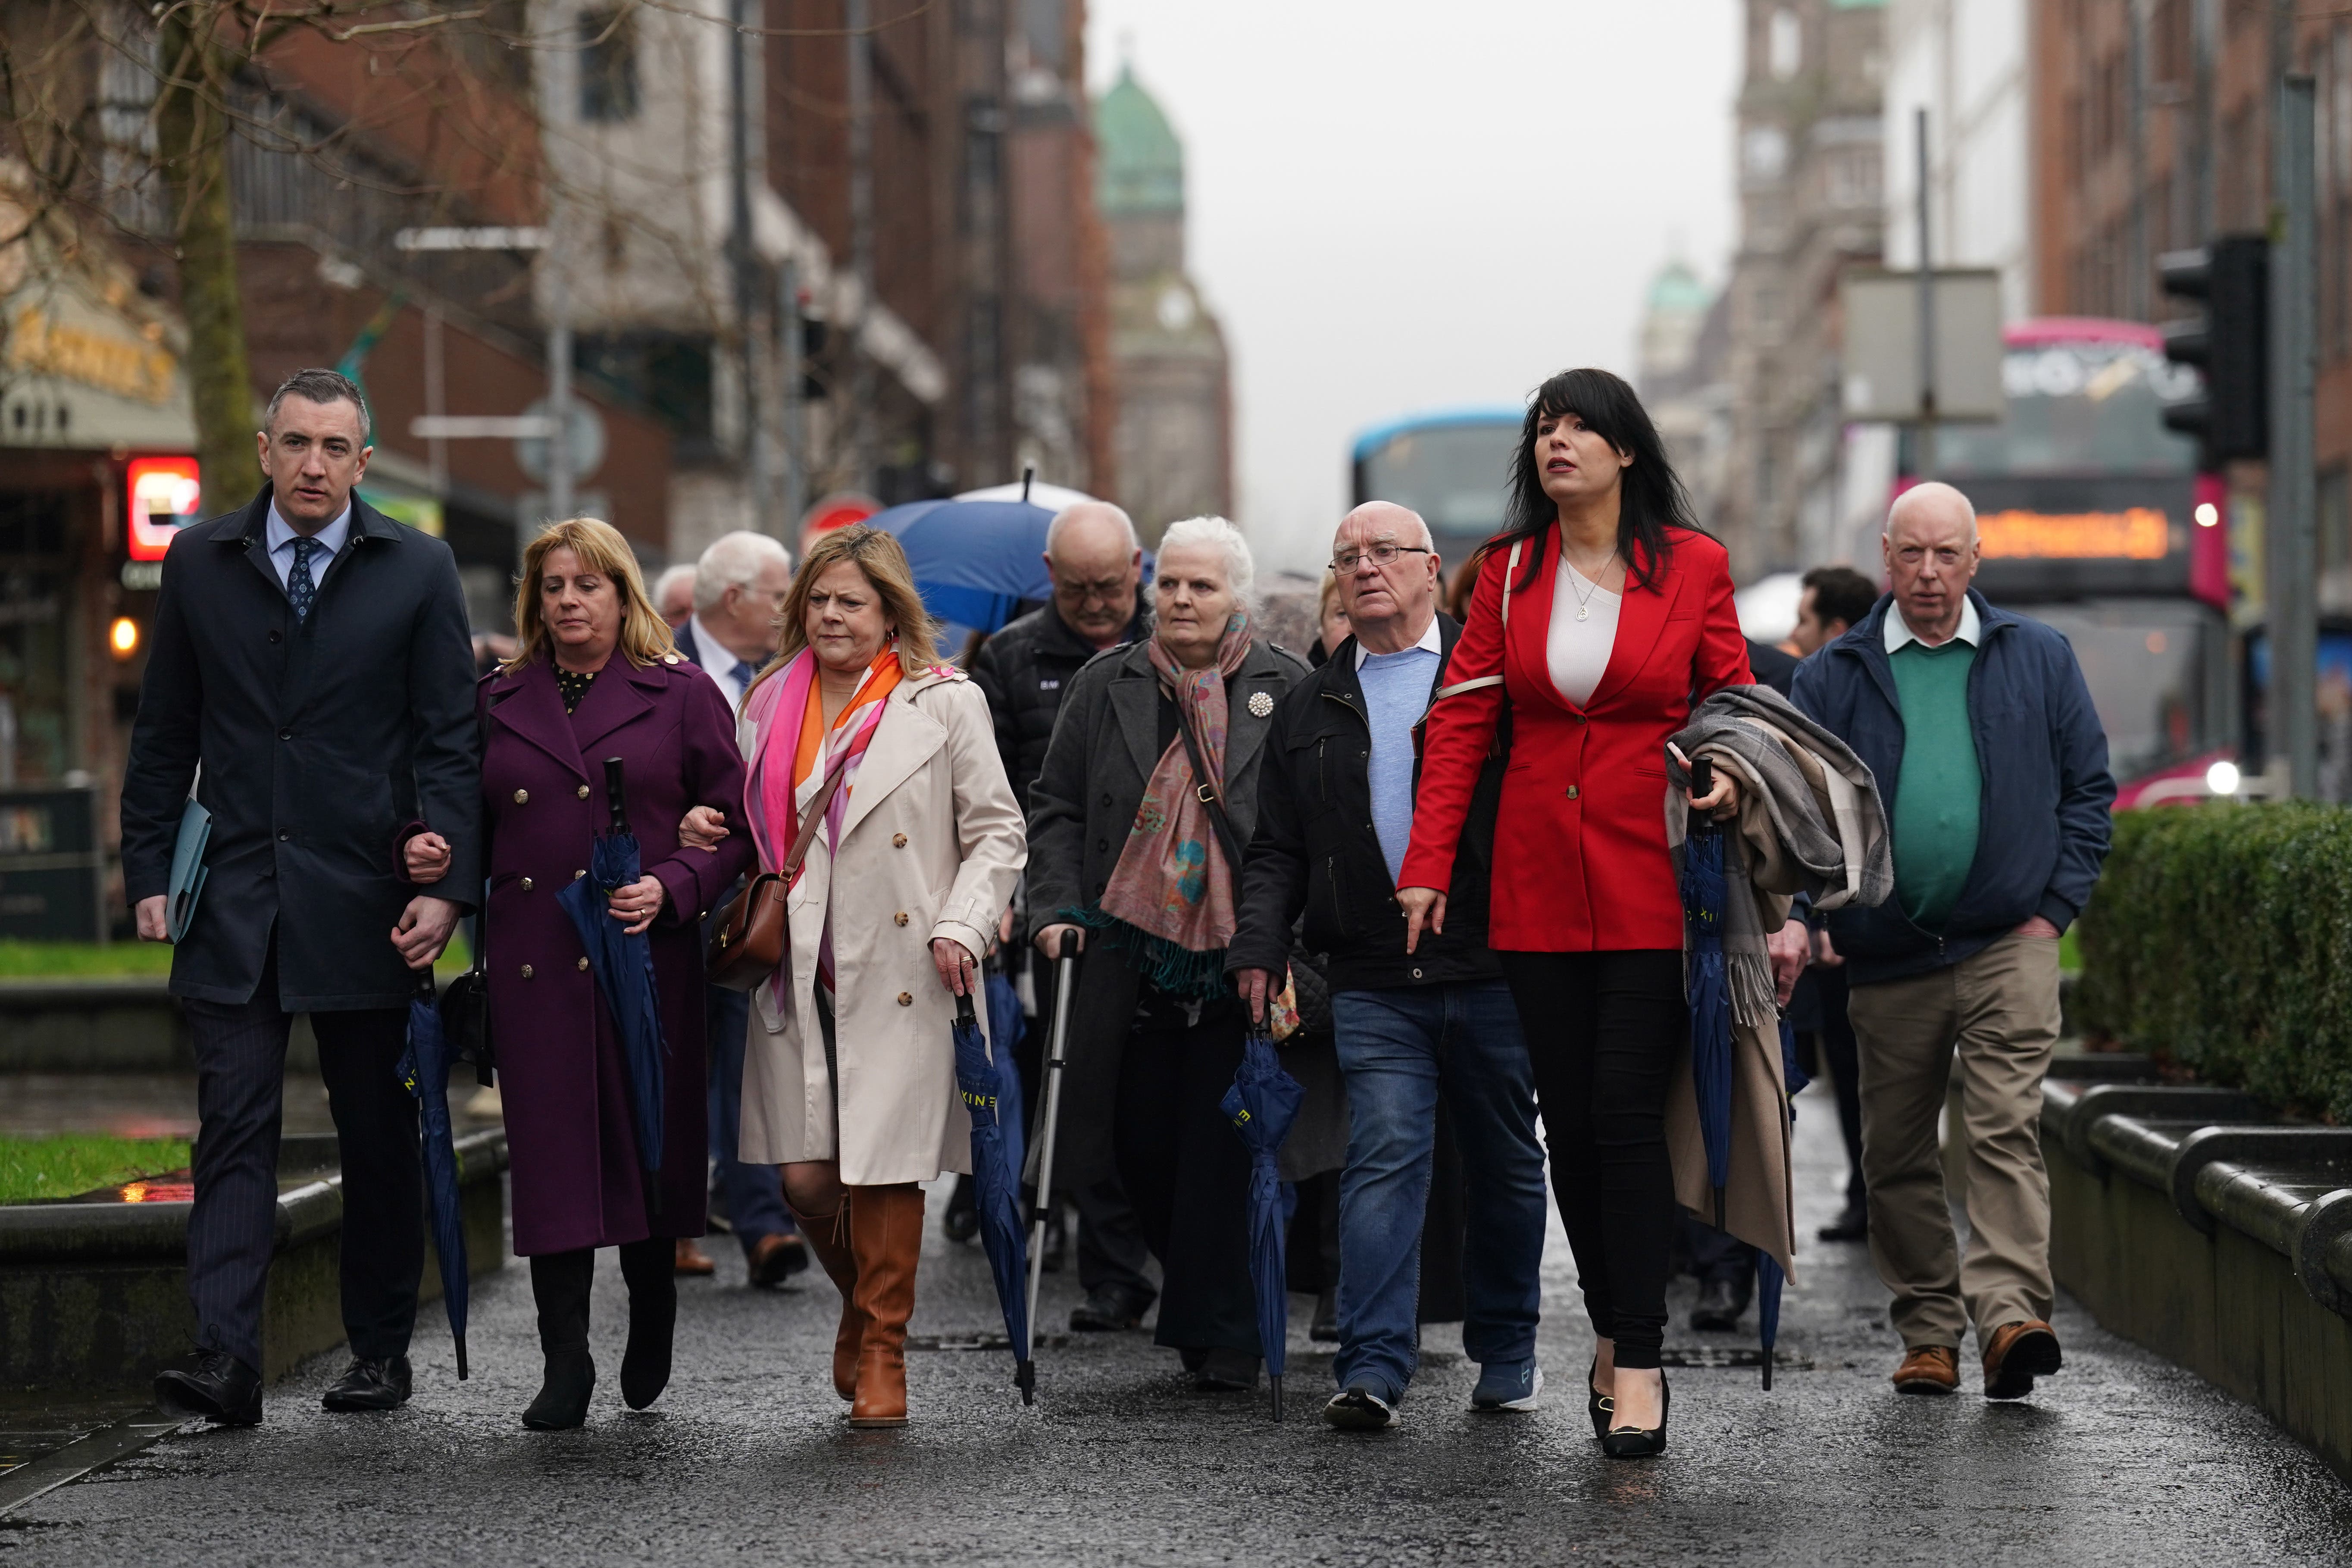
x=279, y=537
x=1432, y=639
x=1971, y=631
x=1577, y=652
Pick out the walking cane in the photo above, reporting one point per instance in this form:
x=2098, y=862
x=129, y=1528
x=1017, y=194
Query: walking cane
x=1066, y=970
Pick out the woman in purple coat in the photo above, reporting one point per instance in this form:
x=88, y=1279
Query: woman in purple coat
x=597, y=678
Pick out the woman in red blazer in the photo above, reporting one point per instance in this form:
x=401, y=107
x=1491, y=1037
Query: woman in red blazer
x=1617, y=613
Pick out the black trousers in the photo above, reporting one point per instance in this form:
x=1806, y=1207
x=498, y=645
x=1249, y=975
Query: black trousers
x=1110, y=1242
x=1602, y=1030
x=1186, y=1172
x=1843, y=1053
x=232, y=1232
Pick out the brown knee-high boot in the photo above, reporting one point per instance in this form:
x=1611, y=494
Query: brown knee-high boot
x=885, y=1233
x=827, y=1236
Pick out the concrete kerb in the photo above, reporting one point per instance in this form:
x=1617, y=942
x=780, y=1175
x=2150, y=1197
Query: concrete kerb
x=93, y=1295
x=2185, y=1219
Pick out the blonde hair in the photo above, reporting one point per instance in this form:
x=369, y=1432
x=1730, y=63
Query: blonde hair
x=878, y=556
x=644, y=635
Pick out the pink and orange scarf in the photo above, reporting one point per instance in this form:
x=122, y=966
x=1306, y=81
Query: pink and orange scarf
x=797, y=750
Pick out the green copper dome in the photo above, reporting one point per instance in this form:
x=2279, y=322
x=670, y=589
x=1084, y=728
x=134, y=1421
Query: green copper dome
x=1139, y=163
x=1676, y=289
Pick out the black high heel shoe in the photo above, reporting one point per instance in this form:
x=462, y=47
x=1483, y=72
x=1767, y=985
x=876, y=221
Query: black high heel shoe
x=1597, y=1404
x=1637, y=1442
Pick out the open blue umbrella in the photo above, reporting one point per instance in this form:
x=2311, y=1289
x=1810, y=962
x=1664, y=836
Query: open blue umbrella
x=424, y=1070
x=975, y=562
x=622, y=966
x=1262, y=1104
x=996, y=1177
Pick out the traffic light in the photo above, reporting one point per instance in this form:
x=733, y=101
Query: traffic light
x=2228, y=345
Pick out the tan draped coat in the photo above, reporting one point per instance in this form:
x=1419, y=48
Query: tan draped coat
x=930, y=846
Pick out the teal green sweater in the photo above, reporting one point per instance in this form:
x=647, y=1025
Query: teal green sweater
x=1939, y=800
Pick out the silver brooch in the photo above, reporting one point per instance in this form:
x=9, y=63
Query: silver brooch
x=1261, y=703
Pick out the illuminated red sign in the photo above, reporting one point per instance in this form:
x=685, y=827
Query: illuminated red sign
x=165, y=497
x=836, y=510
x=2137, y=534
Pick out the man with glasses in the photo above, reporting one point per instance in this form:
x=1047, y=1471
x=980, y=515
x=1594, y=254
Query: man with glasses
x=738, y=592
x=1335, y=814
x=1096, y=564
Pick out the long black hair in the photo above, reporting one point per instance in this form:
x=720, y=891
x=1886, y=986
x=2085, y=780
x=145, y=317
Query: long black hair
x=1652, y=500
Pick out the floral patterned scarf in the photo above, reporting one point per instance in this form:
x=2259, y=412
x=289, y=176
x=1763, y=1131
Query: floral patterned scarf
x=1170, y=897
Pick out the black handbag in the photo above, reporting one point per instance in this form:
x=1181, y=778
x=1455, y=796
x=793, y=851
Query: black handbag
x=465, y=1006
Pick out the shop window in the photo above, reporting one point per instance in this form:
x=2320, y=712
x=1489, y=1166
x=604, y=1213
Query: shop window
x=33, y=593
x=2334, y=530
x=608, y=67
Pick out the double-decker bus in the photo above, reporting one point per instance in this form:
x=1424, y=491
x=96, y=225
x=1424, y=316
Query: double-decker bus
x=1452, y=466
x=2095, y=521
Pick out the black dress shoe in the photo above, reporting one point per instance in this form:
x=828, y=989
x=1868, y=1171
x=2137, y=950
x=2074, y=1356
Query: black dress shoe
x=1225, y=1370
x=1640, y=1442
x=219, y=1387
x=1109, y=1311
x=1718, y=1309
x=369, y=1385
x=1597, y=1404
x=1853, y=1223
x=962, y=1220
x=1324, y=1330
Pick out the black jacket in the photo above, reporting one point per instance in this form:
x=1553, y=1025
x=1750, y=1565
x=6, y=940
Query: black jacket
x=321, y=740
x=1314, y=846
x=1081, y=811
x=1022, y=671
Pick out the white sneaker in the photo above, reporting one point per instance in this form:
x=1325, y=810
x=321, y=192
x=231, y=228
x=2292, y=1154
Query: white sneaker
x=1508, y=1386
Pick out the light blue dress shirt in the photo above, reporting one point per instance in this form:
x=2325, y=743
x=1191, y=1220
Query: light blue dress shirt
x=1396, y=694
x=280, y=536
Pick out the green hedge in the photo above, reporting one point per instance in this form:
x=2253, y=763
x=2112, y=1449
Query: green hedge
x=2222, y=936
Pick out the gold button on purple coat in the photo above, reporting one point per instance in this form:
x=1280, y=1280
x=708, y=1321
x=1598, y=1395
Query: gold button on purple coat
x=522, y=797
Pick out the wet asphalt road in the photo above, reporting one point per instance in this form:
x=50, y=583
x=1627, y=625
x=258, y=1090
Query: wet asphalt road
x=2121, y=1459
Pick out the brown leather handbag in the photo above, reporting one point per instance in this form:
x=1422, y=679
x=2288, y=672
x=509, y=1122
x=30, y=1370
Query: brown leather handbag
x=751, y=937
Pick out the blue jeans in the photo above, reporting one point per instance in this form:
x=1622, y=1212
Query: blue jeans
x=1395, y=1047
x=754, y=1194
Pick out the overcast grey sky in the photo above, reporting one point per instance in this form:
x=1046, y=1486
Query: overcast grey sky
x=1397, y=206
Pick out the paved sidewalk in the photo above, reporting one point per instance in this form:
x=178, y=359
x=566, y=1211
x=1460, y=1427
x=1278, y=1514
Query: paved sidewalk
x=2123, y=1460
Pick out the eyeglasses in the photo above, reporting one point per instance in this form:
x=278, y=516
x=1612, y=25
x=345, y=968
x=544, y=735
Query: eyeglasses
x=1383, y=555
x=1102, y=588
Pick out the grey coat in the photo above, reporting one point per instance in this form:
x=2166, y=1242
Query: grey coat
x=1106, y=744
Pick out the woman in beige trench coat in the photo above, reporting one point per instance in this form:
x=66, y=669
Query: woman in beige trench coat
x=849, y=1080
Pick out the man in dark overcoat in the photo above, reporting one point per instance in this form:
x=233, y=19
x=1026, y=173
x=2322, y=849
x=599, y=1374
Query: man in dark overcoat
x=1096, y=564
x=312, y=677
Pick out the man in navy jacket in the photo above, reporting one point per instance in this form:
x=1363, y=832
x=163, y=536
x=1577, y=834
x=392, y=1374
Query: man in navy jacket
x=1993, y=766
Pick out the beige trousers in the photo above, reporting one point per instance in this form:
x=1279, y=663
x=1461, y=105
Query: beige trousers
x=2000, y=1009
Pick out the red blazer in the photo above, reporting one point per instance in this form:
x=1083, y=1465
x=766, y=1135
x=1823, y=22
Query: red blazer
x=1580, y=862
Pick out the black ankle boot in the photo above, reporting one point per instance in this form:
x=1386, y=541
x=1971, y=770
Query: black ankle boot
x=653, y=1319
x=558, y=1285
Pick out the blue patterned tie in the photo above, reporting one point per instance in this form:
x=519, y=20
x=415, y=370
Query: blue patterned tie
x=299, y=586
x=742, y=675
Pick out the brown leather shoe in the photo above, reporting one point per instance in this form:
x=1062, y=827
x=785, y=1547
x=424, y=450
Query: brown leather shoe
x=2017, y=1355
x=1928, y=1369
x=691, y=1259
x=885, y=1233
x=776, y=1258
x=827, y=1236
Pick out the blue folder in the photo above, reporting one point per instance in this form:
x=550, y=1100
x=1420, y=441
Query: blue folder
x=187, y=868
